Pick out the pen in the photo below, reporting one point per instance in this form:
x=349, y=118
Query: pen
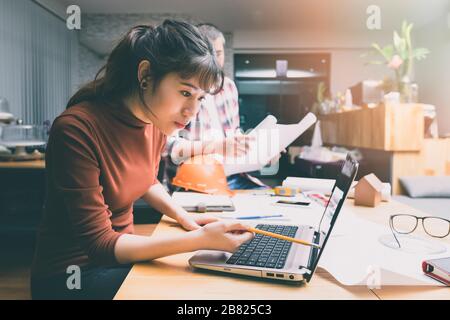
x=279, y=236
x=254, y=217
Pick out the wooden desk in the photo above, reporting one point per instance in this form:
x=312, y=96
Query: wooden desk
x=35, y=164
x=172, y=278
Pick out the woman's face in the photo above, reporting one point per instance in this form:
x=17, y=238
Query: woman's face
x=172, y=105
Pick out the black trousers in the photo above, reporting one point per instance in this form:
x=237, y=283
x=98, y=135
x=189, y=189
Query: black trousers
x=98, y=283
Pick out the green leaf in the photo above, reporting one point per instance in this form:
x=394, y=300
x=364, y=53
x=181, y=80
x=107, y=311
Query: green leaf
x=407, y=36
x=400, y=46
x=376, y=47
x=387, y=52
x=420, y=53
x=404, y=27
x=397, y=40
x=409, y=29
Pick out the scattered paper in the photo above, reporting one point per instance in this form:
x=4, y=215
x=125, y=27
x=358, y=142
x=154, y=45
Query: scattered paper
x=326, y=185
x=354, y=255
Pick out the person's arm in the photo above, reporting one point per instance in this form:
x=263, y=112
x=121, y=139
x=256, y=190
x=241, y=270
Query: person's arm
x=159, y=199
x=219, y=235
x=132, y=248
x=183, y=149
x=234, y=146
x=215, y=235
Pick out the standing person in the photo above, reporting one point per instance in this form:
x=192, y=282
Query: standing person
x=103, y=154
x=215, y=129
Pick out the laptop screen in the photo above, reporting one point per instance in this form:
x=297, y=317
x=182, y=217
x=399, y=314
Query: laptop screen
x=336, y=200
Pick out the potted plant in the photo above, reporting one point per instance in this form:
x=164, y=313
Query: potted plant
x=399, y=57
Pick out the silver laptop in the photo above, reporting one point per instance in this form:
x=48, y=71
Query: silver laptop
x=267, y=257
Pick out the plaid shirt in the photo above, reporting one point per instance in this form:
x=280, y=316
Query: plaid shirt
x=227, y=106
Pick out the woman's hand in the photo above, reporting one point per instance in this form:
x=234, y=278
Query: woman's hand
x=194, y=222
x=223, y=235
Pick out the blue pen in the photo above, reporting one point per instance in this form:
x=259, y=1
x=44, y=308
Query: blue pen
x=254, y=217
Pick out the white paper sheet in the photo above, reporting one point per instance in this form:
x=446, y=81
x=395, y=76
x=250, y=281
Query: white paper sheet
x=271, y=139
x=355, y=256
x=251, y=205
x=310, y=184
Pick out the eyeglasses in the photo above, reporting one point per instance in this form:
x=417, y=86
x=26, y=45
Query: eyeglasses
x=406, y=223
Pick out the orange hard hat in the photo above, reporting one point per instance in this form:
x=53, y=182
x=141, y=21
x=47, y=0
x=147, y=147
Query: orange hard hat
x=203, y=173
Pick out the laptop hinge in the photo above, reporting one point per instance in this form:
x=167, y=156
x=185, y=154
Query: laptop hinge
x=313, y=254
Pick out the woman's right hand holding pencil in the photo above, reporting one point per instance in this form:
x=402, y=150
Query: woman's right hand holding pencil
x=223, y=235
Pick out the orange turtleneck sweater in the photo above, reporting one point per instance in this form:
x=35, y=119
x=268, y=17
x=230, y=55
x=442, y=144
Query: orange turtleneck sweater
x=100, y=158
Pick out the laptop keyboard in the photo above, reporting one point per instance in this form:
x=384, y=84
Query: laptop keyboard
x=265, y=251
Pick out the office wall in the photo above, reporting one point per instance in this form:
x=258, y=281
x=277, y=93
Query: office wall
x=433, y=74
x=345, y=47
x=88, y=64
x=100, y=31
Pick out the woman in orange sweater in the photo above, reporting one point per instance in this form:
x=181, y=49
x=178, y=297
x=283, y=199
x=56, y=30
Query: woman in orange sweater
x=103, y=154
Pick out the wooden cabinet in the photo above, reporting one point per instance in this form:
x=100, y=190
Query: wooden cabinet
x=396, y=131
x=392, y=127
x=22, y=193
x=432, y=160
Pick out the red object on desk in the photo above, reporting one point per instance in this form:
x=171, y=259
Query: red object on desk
x=322, y=199
x=437, y=269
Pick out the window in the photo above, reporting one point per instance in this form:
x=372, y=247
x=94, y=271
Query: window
x=37, y=55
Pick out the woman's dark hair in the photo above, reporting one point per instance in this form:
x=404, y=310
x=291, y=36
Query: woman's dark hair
x=172, y=46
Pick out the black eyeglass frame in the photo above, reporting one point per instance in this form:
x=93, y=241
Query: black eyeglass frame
x=394, y=231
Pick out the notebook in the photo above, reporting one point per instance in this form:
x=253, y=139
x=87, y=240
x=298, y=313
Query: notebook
x=438, y=269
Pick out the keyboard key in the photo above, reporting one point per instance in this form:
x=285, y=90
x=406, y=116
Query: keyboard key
x=264, y=251
x=272, y=260
x=242, y=262
x=232, y=260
